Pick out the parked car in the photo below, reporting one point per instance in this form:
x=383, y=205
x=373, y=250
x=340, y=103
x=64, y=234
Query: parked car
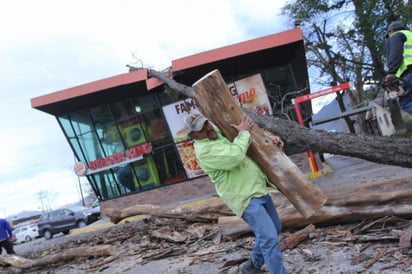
x=95, y=208
x=92, y=212
x=63, y=220
x=26, y=233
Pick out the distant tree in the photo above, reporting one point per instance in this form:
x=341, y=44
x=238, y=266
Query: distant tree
x=345, y=40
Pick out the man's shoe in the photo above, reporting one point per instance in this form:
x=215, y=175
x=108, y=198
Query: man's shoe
x=247, y=267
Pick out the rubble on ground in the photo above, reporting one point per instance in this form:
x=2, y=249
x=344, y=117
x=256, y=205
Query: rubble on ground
x=370, y=246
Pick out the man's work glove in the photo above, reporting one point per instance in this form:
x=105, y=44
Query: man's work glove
x=392, y=86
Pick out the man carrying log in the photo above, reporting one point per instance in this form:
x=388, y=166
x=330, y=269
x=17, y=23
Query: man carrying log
x=242, y=185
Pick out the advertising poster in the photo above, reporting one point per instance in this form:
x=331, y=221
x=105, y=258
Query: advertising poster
x=175, y=114
x=251, y=93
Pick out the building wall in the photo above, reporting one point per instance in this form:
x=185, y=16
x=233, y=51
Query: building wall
x=171, y=194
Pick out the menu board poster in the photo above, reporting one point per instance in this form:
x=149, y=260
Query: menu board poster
x=251, y=93
x=175, y=113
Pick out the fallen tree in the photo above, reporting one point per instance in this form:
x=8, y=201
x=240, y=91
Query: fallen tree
x=345, y=204
x=207, y=211
x=378, y=149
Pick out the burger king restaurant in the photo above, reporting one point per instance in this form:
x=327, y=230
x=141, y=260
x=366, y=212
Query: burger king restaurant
x=126, y=130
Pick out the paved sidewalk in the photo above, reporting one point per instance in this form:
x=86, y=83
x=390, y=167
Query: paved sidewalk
x=348, y=171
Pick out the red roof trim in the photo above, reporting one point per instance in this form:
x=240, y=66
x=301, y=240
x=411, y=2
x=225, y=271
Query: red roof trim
x=154, y=82
x=242, y=48
x=96, y=86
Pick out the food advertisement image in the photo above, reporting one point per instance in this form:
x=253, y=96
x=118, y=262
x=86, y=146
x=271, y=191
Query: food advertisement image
x=251, y=93
x=175, y=114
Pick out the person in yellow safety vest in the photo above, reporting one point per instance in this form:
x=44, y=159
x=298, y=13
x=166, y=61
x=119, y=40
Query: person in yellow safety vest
x=399, y=61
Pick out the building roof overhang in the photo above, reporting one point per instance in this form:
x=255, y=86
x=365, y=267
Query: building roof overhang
x=239, y=49
x=258, y=53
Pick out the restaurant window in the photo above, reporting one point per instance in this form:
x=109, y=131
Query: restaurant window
x=116, y=129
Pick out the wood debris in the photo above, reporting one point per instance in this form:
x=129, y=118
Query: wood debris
x=159, y=238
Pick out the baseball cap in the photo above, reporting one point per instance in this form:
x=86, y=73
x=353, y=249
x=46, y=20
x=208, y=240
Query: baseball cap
x=395, y=25
x=194, y=122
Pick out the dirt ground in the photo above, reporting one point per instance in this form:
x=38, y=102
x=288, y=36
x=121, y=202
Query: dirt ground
x=371, y=246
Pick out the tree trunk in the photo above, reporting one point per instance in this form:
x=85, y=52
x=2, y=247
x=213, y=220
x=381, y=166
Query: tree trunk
x=378, y=149
x=206, y=211
x=345, y=205
x=65, y=255
x=212, y=94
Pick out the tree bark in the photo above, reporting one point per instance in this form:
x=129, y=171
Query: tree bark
x=346, y=204
x=206, y=211
x=65, y=255
x=297, y=237
x=378, y=149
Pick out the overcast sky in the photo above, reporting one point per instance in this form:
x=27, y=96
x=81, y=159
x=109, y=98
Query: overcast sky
x=47, y=46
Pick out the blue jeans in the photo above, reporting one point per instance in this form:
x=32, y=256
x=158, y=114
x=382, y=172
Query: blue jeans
x=262, y=217
x=405, y=102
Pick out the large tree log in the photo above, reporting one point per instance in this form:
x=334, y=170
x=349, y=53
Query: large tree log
x=379, y=149
x=204, y=211
x=383, y=150
x=345, y=205
x=216, y=102
x=65, y=255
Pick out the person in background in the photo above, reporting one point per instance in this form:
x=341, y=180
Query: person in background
x=242, y=185
x=5, y=237
x=399, y=61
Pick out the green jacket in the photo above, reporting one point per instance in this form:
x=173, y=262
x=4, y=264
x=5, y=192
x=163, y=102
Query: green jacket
x=237, y=178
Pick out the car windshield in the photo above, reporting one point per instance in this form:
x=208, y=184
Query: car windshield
x=44, y=217
x=79, y=208
x=95, y=203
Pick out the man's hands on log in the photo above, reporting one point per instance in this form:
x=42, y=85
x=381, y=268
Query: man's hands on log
x=245, y=124
x=277, y=141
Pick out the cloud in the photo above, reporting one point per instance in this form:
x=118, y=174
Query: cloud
x=52, y=45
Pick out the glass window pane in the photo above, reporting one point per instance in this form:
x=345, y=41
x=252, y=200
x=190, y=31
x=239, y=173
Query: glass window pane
x=157, y=128
x=139, y=176
x=66, y=125
x=133, y=131
x=110, y=139
x=106, y=185
x=169, y=96
x=123, y=110
x=168, y=165
x=146, y=103
x=101, y=116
